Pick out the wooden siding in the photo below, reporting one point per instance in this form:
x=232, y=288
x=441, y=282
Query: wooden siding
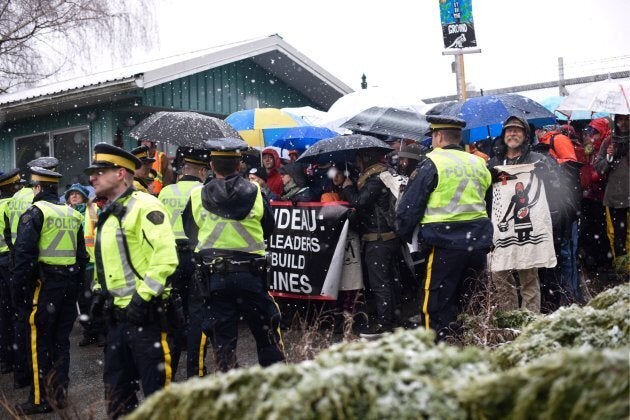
x=224, y=90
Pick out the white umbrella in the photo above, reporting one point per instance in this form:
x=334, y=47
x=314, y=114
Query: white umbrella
x=353, y=103
x=309, y=114
x=612, y=96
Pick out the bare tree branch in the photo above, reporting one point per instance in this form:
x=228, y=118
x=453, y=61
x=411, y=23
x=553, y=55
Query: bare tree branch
x=39, y=38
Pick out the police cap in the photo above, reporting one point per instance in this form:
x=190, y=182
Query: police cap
x=44, y=176
x=142, y=153
x=109, y=156
x=226, y=147
x=440, y=122
x=195, y=156
x=46, y=162
x=11, y=177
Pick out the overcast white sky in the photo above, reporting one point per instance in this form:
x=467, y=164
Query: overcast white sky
x=398, y=43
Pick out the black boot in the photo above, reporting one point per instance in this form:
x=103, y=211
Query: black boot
x=28, y=408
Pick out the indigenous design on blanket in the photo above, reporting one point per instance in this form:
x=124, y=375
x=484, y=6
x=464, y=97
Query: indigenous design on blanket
x=522, y=223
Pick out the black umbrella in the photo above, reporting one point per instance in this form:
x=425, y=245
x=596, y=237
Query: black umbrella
x=392, y=122
x=182, y=128
x=342, y=148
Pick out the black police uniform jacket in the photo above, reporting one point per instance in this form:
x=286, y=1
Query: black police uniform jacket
x=463, y=235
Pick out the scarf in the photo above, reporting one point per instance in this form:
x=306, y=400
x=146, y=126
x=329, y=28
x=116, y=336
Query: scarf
x=290, y=190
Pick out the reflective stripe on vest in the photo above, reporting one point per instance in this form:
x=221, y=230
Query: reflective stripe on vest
x=3, y=206
x=125, y=252
x=19, y=203
x=216, y=232
x=175, y=197
x=58, y=239
x=128, y=272
x=460, y=193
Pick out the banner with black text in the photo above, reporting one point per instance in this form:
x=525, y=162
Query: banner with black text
x=306, y=250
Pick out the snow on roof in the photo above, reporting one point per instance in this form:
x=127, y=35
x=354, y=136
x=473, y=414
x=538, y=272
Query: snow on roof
x=162, y=70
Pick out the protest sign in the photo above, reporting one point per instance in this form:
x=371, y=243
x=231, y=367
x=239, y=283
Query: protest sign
x=457, y=24
x=307, y=249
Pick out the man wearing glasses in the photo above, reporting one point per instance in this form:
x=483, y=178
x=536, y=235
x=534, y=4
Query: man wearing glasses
x=135, y=254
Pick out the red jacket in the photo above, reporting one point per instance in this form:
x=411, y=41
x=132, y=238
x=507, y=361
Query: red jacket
x=274, y=180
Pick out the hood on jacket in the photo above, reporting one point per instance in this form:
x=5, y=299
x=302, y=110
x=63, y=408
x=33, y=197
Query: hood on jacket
x=295, y=171
x=276, y=157
x=230, y=198
x=602, y=125
x=500, y=148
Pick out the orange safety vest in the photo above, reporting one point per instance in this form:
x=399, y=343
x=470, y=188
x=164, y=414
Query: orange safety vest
x=158, y=183
x=89, y=227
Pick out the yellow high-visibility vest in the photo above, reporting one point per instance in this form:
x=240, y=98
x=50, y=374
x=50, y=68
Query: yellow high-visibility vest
x=175, y=197
x=462, y=183
x=58, y=238
x=19, y=203
x=4, y=247
x=216, y=232
x=138, y=252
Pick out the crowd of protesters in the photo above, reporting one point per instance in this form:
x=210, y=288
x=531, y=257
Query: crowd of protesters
x=425, y=237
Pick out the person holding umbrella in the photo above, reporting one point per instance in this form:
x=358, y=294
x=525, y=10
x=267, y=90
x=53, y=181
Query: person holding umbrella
x=454, y=224
x=613, y=160
x=374, y=204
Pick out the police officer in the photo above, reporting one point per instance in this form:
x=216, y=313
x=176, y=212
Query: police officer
x=174, y=197
x=229, y=219
x=135, y=254
x=140, y=176
x=10, y=182
x=16, y=206
x=50, y=258
x=447, y=198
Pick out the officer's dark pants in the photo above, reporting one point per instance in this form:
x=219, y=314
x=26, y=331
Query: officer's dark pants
x=134, y=353
x=233, y=295
x=190, y=336
x=22, y=375
x=380, y=258
x=181, y=280
x=452, y=276
x=7, y=314
x=196, y=340
x=92, y=328
x=51, y=321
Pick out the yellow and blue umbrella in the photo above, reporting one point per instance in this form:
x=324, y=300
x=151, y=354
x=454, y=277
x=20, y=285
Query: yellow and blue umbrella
x=259, y=124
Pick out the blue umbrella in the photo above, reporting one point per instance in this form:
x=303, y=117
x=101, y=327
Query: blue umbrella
x=484, y=115
x=298, y=138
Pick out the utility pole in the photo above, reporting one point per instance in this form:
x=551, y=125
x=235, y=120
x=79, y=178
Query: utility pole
x=562, y=90
x=458, y=64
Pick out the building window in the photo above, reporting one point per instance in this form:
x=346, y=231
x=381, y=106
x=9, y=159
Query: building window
x=71, y=147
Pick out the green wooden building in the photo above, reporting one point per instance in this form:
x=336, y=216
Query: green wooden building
x=66, y=119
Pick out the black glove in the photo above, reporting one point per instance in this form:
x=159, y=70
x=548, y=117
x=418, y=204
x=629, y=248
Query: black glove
x=138, y=310
x=96, y=305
